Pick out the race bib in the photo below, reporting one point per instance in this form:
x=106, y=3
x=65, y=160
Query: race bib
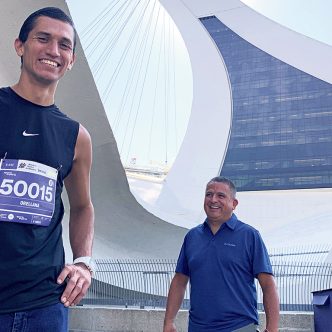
x=27, y=192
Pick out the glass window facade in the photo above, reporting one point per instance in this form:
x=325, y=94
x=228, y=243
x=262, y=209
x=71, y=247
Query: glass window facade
x=281, y=135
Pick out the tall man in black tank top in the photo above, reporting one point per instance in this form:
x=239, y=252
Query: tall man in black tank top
x=40, y=149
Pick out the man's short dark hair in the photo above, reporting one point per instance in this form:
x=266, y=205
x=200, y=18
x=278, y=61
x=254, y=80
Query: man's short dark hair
x=52, y=12
x=227, y=181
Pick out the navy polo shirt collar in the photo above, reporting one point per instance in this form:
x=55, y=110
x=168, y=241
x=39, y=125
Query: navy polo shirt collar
x=230, y=223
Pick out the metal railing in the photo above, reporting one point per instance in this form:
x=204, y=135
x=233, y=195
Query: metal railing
x=132, y=283
x=296, y=281
x=145, y=283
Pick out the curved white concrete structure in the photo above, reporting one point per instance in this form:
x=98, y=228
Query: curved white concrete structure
x=297, y=50
x=199, y=158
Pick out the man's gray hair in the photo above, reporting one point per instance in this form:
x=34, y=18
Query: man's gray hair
x=225, y=180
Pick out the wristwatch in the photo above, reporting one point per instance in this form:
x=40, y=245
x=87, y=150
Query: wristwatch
x=88, y=261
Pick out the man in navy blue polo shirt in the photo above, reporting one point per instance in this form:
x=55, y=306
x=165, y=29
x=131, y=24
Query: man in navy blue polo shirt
x=221, y=258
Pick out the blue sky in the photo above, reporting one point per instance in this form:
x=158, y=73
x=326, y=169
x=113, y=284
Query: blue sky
x=309, y=17
x=149, y=128
x=145, y=80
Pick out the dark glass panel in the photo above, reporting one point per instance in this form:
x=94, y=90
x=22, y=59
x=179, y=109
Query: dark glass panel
x=282, y=119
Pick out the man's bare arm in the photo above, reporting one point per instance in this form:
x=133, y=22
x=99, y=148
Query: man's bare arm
x=174, y=300
x=80, y=222
x=270, y=301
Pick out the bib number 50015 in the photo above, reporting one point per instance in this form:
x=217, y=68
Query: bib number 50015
x=21, y=188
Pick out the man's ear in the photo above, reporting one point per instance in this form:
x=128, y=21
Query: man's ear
x=19, y=47
x=235, y=203
x=71, y=64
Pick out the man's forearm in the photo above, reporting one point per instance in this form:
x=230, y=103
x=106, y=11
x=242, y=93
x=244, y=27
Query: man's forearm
x=174, y=300
x=81, y=231
x=271, y=307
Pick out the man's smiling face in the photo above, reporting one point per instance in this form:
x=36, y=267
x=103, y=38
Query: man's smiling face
x=219, y=202
x=48, y=52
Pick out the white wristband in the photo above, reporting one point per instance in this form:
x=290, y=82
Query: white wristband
x=88, y=262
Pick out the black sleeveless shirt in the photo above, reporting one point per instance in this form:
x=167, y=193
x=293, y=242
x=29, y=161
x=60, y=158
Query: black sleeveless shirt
x=31, y=257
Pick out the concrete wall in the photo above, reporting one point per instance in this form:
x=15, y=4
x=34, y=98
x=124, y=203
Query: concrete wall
x=103, y=319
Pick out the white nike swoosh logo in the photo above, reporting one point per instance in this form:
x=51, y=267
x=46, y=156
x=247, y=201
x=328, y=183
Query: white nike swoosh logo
x=28, y=134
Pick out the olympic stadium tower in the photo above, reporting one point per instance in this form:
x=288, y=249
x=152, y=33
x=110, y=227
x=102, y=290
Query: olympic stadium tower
x=261, y=115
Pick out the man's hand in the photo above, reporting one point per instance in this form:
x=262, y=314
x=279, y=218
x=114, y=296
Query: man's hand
x=78, y=281
x=169, y=327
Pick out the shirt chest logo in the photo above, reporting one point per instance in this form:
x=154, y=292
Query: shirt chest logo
x=25, y=134
x=228, y=244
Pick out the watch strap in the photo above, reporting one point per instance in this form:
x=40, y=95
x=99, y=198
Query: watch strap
x=88, y=261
